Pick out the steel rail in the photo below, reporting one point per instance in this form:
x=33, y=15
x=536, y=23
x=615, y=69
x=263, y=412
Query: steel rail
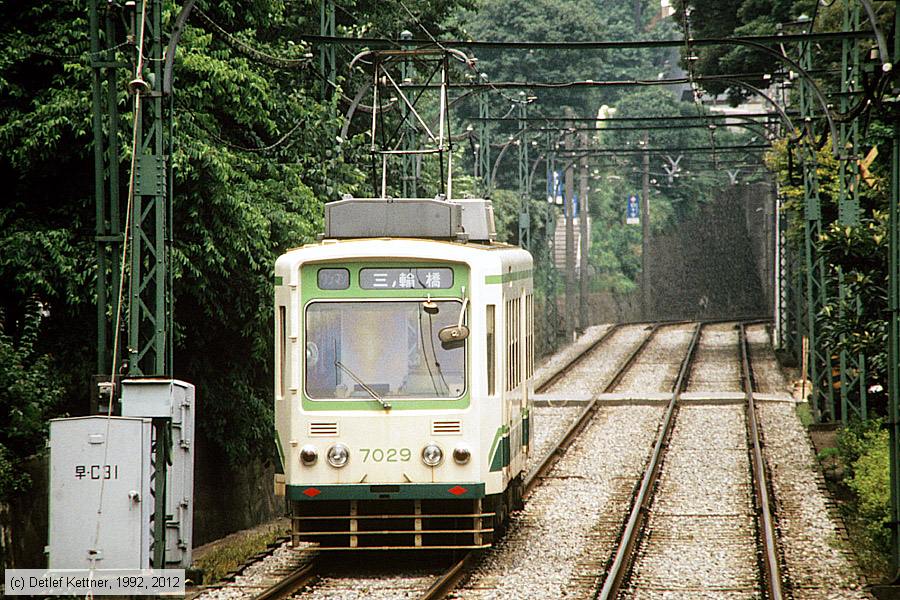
x=771, y=564
x=451, y=578
x=290, y=584
x=537, y=473
x=641, y=505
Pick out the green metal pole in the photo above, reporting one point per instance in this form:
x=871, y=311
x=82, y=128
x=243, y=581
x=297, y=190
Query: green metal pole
x=149, y=332
x=108, y=229
x=484, y=143
x=327, y=60
x=150, y=229
x=99, y=183
x=893, y=370
x=852, y=367
x=407, y=133
x=524, y=199
x=819, y=359
x=552, y=271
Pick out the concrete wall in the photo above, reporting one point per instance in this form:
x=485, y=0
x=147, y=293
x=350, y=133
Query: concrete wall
x=759, y=217
x=228, y=499
x=716, y=265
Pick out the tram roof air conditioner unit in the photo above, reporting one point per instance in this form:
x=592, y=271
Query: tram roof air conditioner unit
x=471, y=220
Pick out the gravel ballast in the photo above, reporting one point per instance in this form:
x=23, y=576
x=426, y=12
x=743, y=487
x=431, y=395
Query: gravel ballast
x=701, y=534
x=538, y=556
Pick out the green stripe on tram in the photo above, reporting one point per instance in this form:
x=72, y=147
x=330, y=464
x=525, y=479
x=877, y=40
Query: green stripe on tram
x=499, y=454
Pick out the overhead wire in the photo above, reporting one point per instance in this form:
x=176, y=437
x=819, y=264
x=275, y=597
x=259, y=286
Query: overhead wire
x=250, y=51
x=272, y=146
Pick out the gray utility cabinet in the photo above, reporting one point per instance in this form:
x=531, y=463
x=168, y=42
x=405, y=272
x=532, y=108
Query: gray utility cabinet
x=172, y=399
x=100, y=500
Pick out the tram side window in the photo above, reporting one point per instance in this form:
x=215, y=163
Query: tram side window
x=491, y=352
x=509, y=347
x=517, y=348
x=513, y=362
x=529, y=336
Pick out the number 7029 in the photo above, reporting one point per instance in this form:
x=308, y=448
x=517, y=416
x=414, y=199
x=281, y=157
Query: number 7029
x=386, y=455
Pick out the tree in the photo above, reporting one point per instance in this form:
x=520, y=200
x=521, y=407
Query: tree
x=568, y=20
x=730, y=18
x=257, y=154
x=29, y=393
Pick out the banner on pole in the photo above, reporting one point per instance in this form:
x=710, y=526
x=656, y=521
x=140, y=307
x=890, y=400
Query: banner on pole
x=633, y=210
x=555, y=188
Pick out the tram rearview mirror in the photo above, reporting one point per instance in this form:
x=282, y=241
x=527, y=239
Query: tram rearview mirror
x=452, y=334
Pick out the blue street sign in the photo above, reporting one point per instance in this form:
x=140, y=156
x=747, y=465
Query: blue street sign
x=633, y=210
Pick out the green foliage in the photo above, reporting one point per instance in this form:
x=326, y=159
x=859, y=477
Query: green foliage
x=29, y=393
x=229, y=554
x=506, y=214
x=864, y=449
x=568, y=20
x=853, y=322
x=256, y=155
x=615, y=250
x=615, y=247
x=856, y=254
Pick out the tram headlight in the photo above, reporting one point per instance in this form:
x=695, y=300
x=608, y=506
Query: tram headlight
x=309, y=455
x=432, y=455
x=462, y=454
x=338, y=456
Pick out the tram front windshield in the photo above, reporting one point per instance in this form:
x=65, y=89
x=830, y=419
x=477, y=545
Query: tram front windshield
x=389, y=349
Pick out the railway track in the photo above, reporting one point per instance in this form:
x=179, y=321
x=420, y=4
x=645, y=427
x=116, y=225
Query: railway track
x=311, y=575
x=669, y=529
x=622, y=564
x=590, y=482
x=546, y=463
x=640, y=507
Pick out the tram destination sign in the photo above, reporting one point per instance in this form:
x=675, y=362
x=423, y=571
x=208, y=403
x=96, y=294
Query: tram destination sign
x=409, y=278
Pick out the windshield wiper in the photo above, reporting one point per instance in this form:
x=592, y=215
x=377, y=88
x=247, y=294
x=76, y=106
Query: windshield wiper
x=386, y=404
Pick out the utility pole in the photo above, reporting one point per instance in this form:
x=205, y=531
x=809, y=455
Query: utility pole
x=570, y=246
x=150, y=329
x=645, y=231
x=816, y=281
x=146, y=229
x=583, y=316
x=853, y=367
x=552, y=272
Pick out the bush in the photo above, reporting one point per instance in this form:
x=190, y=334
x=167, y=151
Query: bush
x=29, y=392
x=864, y=449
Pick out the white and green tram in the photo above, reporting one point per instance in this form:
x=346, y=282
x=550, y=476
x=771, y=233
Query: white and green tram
x=403, y=361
